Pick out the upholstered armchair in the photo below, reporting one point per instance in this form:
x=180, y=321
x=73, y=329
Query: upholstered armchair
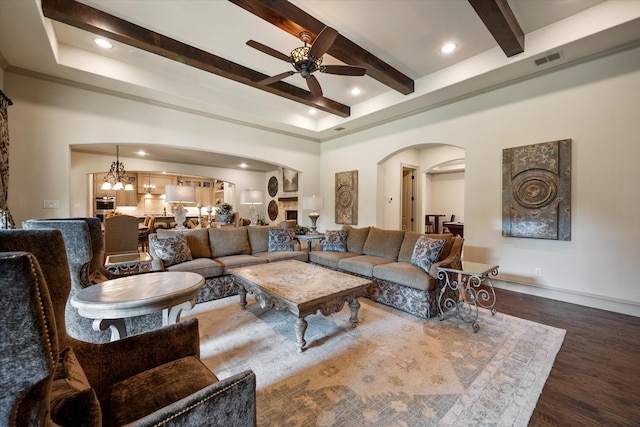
x=49, y=378
x=85, y=254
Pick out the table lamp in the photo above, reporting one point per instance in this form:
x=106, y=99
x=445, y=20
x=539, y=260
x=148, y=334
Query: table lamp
x=251, y=197
x=313, y=203
x=179, y=194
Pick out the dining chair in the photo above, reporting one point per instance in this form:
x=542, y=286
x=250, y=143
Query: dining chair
x=430, y=224
x=120, y=234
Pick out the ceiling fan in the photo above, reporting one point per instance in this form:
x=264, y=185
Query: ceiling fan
x=308, y=59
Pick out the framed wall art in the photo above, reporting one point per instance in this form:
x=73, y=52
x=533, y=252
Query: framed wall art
x=536, y=191
x=289, y=180
x=346, y=198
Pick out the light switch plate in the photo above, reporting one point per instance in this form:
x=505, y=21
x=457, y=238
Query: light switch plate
x=51, y=204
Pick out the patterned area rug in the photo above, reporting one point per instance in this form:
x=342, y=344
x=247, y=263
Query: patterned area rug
x=394, y=369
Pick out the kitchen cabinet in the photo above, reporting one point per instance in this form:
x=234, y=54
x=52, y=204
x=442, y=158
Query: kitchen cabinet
x=159, y=180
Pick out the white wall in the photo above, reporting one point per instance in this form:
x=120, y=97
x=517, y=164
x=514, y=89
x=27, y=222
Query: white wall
x=595, y=104
x=47, y=118
x=447, y=195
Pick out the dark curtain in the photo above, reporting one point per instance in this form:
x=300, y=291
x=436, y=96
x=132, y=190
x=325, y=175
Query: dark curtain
x=6, y=220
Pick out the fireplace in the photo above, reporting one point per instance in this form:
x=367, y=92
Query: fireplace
x=289, y=214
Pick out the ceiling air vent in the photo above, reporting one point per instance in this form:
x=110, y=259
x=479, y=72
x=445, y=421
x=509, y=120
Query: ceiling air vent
x=548, y=58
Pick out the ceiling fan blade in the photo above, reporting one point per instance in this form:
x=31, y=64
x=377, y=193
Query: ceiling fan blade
x=314, y=86
x=269, y=51
x=276, y=78
x=343, y=70
x=323, y=42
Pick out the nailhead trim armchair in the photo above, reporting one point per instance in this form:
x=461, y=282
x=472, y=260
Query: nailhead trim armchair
x=50, y=378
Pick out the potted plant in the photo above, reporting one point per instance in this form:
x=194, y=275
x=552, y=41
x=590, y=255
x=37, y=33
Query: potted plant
x=301, y=230
x=223, y=212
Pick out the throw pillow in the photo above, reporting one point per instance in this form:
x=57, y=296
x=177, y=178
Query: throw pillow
x=426, y=252
x=172, y=250
x=335, y=240
x=280, y=239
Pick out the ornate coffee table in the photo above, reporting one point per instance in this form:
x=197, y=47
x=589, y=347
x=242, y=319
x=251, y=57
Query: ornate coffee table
x=301, y=288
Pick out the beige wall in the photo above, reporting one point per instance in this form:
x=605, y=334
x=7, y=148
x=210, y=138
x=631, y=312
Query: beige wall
x=594, y=103
x=47, y=118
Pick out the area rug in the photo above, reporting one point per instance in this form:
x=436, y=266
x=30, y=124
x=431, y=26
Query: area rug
x=393, y=369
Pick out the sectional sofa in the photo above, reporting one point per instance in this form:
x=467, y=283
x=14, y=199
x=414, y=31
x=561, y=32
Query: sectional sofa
x=211, y=252
x=384, y=256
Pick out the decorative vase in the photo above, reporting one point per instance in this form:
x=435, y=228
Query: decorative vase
x=223, y=218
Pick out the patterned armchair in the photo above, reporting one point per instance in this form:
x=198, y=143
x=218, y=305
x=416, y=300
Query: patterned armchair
x=85, y=254
x=48, y=378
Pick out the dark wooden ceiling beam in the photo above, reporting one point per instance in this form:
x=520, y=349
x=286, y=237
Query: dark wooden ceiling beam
x=98, y=22
x=501, y=23
x=294, y=20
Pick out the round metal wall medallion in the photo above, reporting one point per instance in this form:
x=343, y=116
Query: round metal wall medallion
x=272, y=210
x=273, y=186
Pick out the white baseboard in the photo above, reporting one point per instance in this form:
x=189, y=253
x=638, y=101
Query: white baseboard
x=631, y=308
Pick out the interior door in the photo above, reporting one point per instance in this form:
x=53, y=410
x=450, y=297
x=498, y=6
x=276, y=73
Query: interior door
x=408, y=199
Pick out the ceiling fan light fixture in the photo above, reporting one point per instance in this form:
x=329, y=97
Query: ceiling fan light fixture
x=302, y=61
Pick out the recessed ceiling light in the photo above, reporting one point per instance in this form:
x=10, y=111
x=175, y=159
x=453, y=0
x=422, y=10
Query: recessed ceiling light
x=312, y=111
x=103, y=43
x=142, y=153
x=355, y=91
x=448, y=48
x=243, y=165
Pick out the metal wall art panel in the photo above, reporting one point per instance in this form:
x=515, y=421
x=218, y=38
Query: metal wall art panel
x=536, y=191
x=347, y=197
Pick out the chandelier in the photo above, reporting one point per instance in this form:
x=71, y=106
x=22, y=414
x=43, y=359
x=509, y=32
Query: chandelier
x=117, y=178
x=149, y=188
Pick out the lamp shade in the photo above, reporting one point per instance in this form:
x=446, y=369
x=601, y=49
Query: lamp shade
x=312, y=203
x=179, y=193
x=251, y=197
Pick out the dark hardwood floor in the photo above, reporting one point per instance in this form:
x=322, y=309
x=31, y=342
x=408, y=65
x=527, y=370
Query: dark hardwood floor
x=595, y=380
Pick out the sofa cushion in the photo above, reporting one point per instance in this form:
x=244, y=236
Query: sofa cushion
x=151, y=390
x=362, y=264
x=406, y=274
x=72, y=400
x=259, y=238
x=232, y=261
x=426, y=252
x=329, y=259
x=198, y=241
x=229, y=241
x=207, y=267
x=408, y=243
x=335, y=240
x=410, y=239
x=171, y=250
x=383, y=243
x=282, y=255
x=448, y=244
x=281, y=239
x=356, y=238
